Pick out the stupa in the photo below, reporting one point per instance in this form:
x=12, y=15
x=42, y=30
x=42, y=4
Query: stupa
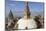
x=27, y=22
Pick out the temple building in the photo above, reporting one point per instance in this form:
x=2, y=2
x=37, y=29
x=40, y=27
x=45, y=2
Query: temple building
x=10, y=19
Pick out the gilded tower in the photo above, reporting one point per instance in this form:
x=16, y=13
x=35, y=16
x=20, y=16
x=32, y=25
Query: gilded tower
x=26, y=11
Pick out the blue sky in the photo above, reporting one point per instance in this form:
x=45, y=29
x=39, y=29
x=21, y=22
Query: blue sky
x=17, y=7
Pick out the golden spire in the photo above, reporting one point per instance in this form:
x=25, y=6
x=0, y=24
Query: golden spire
x=26, y=11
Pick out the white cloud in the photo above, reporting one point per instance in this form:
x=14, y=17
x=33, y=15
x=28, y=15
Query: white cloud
x=30, y=0
x=11, y=4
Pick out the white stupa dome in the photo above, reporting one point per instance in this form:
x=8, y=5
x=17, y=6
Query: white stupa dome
x=29, y=23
